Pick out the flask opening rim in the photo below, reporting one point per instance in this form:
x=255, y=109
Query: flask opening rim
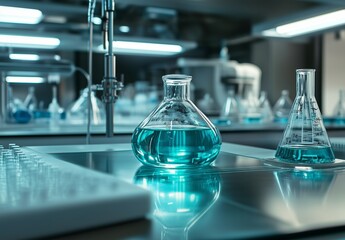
x=305, y=70
x=176, y=78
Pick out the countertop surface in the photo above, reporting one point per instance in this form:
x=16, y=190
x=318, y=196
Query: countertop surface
x=241, y=197
x=123, y=127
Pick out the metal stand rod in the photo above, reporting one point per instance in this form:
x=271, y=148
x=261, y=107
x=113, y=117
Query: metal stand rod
x=109, y=77
x=3, y=98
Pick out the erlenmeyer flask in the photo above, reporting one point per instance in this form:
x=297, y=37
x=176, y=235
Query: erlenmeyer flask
x=265, y=108
x=77, y=112
x=176, y=134
x=282, y=107
x=305, y=138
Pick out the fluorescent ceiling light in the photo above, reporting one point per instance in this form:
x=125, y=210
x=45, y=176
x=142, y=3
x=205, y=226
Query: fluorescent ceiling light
x=28, y=41
x=17, y=79
x=97, y=20
x=20, y=15
x=124, y=29
x=27, y=57
x=308, y=25
x=145, y=48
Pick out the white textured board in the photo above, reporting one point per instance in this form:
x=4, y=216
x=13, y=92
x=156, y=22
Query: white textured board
x=42, y=196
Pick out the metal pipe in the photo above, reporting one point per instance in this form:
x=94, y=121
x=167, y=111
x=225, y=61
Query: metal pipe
x=110, y=76
x=110, y=85
x=3, y=98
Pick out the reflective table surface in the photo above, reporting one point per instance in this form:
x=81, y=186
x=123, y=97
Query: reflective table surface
x=240, y=197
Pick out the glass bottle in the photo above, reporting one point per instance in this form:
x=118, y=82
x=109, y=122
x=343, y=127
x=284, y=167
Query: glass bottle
x=54, y=109
x=305, y=138
x=282, y=107
x=176, y=134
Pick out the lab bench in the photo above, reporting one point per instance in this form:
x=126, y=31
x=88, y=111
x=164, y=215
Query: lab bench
x=243, y=196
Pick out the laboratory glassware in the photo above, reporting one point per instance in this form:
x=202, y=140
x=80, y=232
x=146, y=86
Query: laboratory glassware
x=339, y=111
x=78, y=111
x=16, y=110
x=265, y=108
x=30, y=101
x=176, y=134
x=305, y=139
x=249, y=108
x=54, y=109
x=282, y=107
x=230, y=108
x=181, y=197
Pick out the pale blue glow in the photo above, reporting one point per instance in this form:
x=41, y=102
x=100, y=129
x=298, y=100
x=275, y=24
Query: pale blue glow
x=20, y=15
x=145, y=48
x=27, y=57
x=158, y=47
x=97, y=20
x=313, y=24
x=124, y=29
x=17, y=79
x=29, y=41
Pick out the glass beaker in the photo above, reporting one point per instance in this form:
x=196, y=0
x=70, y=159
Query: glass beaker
x=176, y=134
x=305, y=138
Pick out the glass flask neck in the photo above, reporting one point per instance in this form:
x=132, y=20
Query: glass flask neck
x=305, y=82
x=176, y=87
x=175, y=233
x=342, y=95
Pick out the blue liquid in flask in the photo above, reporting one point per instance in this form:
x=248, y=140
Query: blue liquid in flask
x=305, y=154
x=180, y=147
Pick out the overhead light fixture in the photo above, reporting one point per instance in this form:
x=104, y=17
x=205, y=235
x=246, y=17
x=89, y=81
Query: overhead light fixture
x=20, y=79
x=55, y=19
x=20, y=15
x=124, y=29
x=29, y=41
x=304, y=26
x=97, y=20
x=25, y=57
x=146, y=48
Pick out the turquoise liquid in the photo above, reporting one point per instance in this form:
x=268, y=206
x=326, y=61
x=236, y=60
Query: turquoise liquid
x=176, y=148
x=305, y=154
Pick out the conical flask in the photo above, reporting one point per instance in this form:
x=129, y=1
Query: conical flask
x=265, y=108
x=282, y=107
x=305, y=138
x=176, y=134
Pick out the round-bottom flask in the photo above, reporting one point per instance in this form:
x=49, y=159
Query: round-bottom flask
x=176, y=134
